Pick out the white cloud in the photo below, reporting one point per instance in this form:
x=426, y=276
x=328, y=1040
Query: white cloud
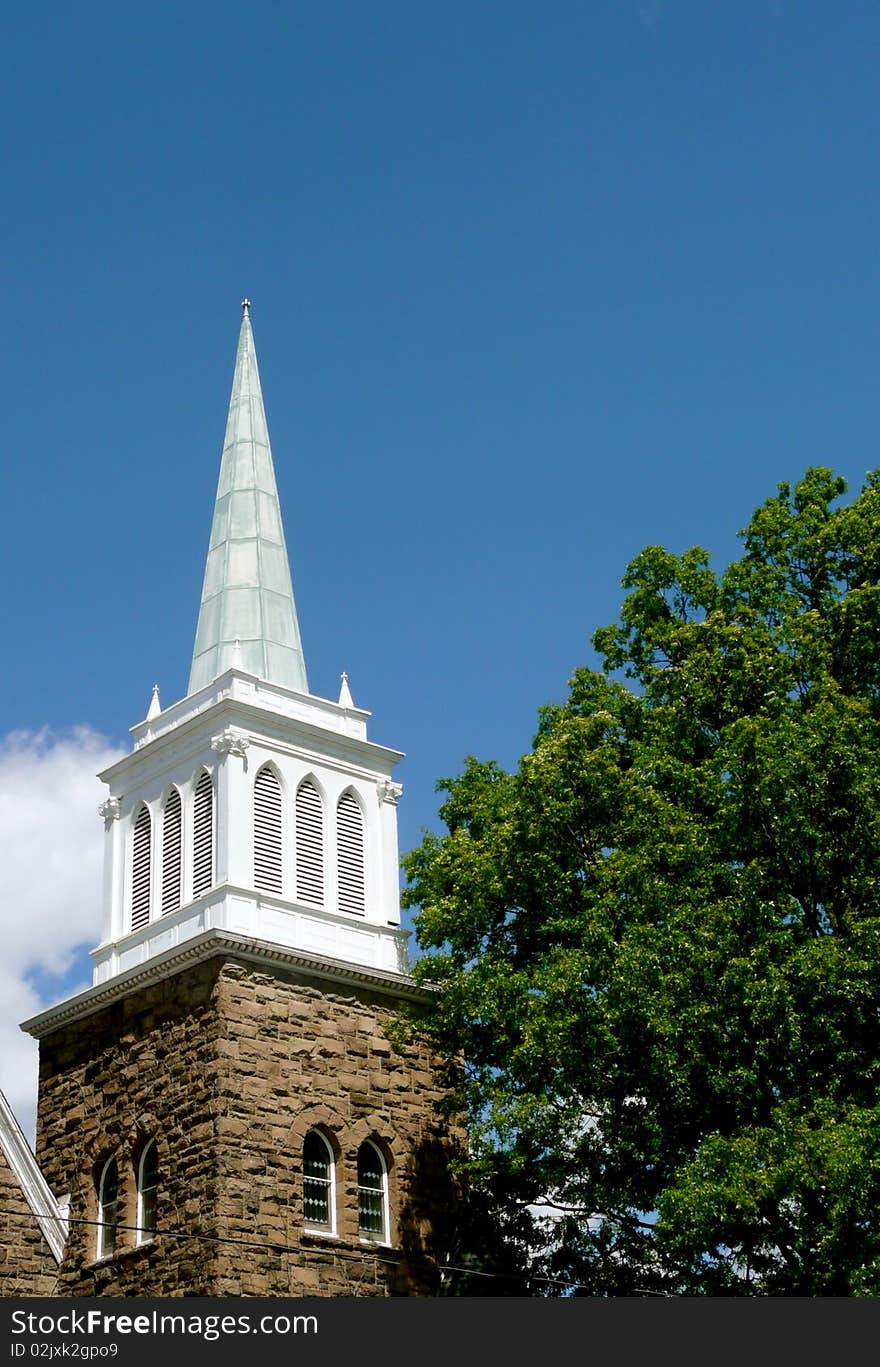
x=51, y=852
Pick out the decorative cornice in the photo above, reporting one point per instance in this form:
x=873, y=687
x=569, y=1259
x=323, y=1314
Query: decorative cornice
x=230, y=742
x=109, y=809
x=389, y=791
x=208, y=945
x=182, y=724
x=33, y=1184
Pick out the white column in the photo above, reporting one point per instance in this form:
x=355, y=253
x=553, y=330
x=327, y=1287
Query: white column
x=233, y=815
x=114, y=869
x=389, y=792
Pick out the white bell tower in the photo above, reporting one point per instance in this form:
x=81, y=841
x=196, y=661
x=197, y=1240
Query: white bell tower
x=251, y=811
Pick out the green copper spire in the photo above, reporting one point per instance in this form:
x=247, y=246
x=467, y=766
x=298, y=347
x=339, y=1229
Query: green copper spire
x=247, y=616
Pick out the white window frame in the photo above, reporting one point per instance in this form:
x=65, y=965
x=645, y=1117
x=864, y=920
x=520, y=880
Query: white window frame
x=144, y=1236
x=364, y=1235
x=103, y=1251
x=327, y=1233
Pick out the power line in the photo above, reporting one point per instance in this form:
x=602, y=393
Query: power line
x=271, y=1247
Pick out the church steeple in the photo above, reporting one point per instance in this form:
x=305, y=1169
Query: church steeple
x=247, y=615
x=250, y=806
x=251, y=958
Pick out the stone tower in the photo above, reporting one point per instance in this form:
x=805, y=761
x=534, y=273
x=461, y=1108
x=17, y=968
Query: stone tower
x=223, y=1107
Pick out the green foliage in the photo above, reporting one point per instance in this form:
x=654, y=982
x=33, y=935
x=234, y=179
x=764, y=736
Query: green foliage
x=658, y=940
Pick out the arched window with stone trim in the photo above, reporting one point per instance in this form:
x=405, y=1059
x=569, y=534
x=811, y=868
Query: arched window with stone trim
x=147, y=1183
x=350, y=854
x=203, y=835
x=319, y=1196
x=309, y=844
x=141, y=859
x=108, y=1208
x=172, y=833
x=372, y=1176
x=268, y=872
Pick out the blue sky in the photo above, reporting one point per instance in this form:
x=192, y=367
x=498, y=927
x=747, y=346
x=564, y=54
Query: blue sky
x=533, y=285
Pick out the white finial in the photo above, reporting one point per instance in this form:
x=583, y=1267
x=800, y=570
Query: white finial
x=154, y=709
x=245, y=305
x=345, y=698
x=236, y=654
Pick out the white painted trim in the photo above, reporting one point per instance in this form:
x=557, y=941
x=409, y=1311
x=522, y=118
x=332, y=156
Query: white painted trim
x=252, y=705
x=143, y=1236
x=331, y=1188
x=33, y=1184
x=102, y=1226
x=206, y=946
x=385, y=1240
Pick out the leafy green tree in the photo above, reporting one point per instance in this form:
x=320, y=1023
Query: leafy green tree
x=658, y=941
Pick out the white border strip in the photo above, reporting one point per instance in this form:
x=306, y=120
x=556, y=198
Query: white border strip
x=206, y=946
x=32, y=1182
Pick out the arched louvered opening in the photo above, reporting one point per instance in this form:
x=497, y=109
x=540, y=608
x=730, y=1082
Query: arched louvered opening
x=147, y=1191
x=318, y=1194
x=350, y=848
x=108, y=1208
x=172, y=830
x=140, y=869
x=267, y=832
x=203, y=835
x=372, y=1194
x=309, y=844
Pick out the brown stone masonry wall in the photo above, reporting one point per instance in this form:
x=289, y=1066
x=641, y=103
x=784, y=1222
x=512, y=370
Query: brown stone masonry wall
x=298, y=1056
x=228, y=1068
x=145, y=1067
x=27, y=1267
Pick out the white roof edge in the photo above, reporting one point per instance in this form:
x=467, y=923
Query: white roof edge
x=33, y=1184
x=247, y=711
x=205, y=946
x=236, y=672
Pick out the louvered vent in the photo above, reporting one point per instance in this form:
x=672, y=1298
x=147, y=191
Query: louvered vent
x=267, y=832
x=171, y=832
x=140, y=870
x=309, y=845
x=203, y=835
x=350, y=843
